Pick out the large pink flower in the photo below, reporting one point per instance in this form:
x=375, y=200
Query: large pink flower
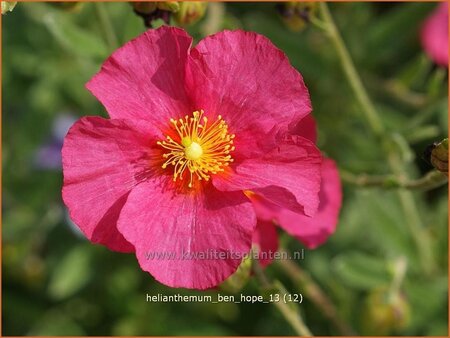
x=311, y=231
x=434, y=35
x=190, y=130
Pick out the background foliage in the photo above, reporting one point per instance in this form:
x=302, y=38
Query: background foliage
x=57, y=283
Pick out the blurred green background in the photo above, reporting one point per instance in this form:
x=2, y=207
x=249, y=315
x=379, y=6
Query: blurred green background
x=57, y=283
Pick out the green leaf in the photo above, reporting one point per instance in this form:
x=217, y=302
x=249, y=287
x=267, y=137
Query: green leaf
x=436, y=84
x=415, y=71
x=372, y=219
x=71, y=274
x=56, y=323
x=73, y=38
x=428, y=298
x=361, y=271
x=395, y=32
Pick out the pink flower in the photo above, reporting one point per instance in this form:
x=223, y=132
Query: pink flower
x=434, y=35
x=311, y=231
x=190, y=130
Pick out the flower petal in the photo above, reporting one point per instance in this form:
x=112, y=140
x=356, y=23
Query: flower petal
x=288, y=176
x=145, y=78
x=102, y=161
x=179, y=237
x=250, y=82
x=314, y=231
x=434, y=35
x=311, y=231
x=266, y=238
x=306, y=128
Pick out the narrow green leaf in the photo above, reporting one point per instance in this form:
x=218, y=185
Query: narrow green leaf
x=71, y=274
x=361, y=271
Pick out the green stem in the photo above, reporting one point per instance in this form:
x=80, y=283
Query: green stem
x=292, y=317
x=315, y=294
x=413, y=220
x=431, y=180
x=106, y=25
x=395, y=161
x=318, y=23
x=350, y=71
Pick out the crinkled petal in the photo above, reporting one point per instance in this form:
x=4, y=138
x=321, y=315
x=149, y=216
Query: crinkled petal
x=288, y=176
x=306, y=128
x=102, y=161
x=434, y=35
x=249, y=82
x=145, y=78
x=314, y=231
x=266, y=238
x=311, y=231
x=180, y=237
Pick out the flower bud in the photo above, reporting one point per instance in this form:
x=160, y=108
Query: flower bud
x=296, y=15
x=190, y=12
x=143, y=7
x=384, y=313
x=437, y=155
x=8, y=6
x=171, y=6
x=148, y=7
x=152, y=10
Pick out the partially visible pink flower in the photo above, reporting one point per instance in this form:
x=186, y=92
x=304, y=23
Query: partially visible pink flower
x=434, y=35
x=311, y=231
x=190, y=130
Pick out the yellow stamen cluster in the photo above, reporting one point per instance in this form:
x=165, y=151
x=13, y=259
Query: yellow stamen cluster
x=201, y=149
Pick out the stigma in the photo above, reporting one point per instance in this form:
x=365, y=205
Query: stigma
x=199, y=148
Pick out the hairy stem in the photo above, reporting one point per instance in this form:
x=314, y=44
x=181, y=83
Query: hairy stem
x=431, y=180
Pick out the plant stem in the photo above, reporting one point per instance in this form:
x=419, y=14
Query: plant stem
x=106, y=25
x=412, y=217
x=351, y=73
x=315, y=294
x=395, y=161
x=431, y=180
x=292, y=317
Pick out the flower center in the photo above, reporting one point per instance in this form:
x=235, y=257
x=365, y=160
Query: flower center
x=193, y=152
x=199, y=149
